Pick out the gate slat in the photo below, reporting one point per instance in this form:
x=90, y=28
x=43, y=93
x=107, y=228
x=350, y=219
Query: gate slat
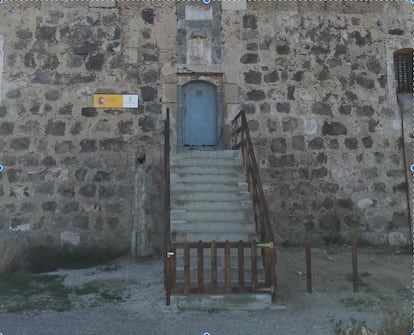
x=200, y=267
x=227, y=267
x=173, y=268
x=241, y=266
x=186, y=268
x=214, y=266
x=254, y=266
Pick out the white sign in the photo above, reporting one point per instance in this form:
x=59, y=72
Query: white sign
x=130, y=101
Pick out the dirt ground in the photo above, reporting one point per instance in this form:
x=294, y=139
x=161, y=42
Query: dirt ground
x=126, y=297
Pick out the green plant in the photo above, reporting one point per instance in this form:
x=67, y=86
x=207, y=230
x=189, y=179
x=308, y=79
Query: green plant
x=392, y=323
x=395, y=323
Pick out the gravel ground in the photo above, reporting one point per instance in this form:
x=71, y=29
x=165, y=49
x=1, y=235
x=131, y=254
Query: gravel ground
x=140, y=308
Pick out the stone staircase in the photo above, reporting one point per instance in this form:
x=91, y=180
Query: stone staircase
x=210, y=201
x=209, y=197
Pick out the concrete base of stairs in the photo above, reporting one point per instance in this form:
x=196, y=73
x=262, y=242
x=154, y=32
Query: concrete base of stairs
x=223, y=302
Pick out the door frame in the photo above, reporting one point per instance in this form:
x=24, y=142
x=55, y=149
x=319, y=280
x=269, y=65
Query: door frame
x=215, y=80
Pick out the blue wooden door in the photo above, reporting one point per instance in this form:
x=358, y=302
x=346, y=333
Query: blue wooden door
x=199, y=114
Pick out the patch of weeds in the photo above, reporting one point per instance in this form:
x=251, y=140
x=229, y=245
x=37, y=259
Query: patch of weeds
x=361, y=277
x=392, y=323
x=103, y=294
x=111, y=296
x=355, y=328
x=360, y=303
x=89, y=288
x=395, y=323
x=21, y=293
x=12, y=253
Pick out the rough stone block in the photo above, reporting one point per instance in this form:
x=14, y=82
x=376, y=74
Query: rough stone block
x=231, y=5
x=49, y=206
x=169, y=93
x=88, y=191
x=68, y=238
x=89, y=112
x=63, y=147
x=107, y=191
x=6, y=128
x=147, y=123
x=253, y=77
x=282, y=161
x=19, y=144
x=397, y=239
x=351, y=143
x=250, y=21
x=256, y=95
x=125, y=127
x=70, y=207
x=80, y=175
x=316, y=144
x=101, y=176
x=271, y=77
x=95, y=62
x=56, y=128
x=148, y=93
x=88, y=145
x=102, y=3
x=29, y=160
x=112, y=222
x=333, y=129
x=283, y=107
x=66, y=190
x=231, y=94
x=249, y=58
x=298, y=143
x=322, y=108
x=278, y=144
x=282, y=49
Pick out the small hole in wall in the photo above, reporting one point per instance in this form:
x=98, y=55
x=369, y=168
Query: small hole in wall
x=141, y=159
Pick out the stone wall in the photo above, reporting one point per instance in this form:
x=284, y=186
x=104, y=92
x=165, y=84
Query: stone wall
x=315, y=79
x=76, y=176
x=315, y=83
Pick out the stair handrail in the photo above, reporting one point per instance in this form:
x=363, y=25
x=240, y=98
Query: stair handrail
x=260, y=208
x=167, y=207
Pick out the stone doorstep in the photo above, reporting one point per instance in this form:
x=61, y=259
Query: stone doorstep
x=191, y=162
x=223, y=302
x=208, y=154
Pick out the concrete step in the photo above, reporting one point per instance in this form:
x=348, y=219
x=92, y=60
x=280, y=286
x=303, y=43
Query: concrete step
x=182, y=161
x=228, y=178
x=227, y=206
x=223, y=216
x=195, y=236
x=223, y=302
x=195, y=187
x=191, y=195
x=216, y=170
x=208, y=154
x=212, y=227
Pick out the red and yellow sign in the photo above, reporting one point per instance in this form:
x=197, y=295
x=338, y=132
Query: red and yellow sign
x=115, y=101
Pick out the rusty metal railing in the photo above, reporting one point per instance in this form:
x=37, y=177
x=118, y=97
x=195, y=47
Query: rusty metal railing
x=167, y=208
x=241, y=140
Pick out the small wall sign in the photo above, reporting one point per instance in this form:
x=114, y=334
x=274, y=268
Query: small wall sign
x=115, y=101
x=1, y=170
